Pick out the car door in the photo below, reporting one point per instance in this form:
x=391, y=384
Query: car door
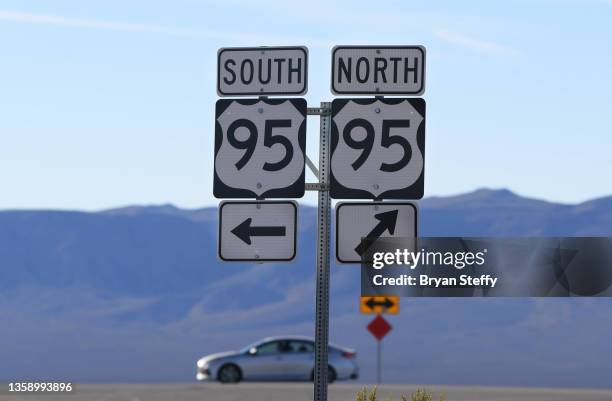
x=264, y=363
x=297, y=357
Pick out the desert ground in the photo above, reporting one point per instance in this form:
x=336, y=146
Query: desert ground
x=298, y=392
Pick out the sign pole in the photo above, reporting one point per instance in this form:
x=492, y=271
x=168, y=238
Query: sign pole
x=378, y=363
x=323, y=229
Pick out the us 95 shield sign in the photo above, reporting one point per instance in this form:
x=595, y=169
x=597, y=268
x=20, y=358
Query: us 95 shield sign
x=377, y=148
x=260, y=147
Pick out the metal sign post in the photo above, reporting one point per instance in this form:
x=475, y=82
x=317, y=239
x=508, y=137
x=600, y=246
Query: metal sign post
x=378, y=362
x=323, y=247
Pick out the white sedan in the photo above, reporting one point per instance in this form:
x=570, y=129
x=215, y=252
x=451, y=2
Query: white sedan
x=276, y=359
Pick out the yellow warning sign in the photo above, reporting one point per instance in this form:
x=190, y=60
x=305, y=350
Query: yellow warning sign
x=380, y=304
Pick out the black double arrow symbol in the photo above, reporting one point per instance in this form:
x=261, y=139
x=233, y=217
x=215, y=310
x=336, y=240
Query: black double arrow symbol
x=387, y=303
x=245, y=231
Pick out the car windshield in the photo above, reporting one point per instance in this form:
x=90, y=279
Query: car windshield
x=252, y=345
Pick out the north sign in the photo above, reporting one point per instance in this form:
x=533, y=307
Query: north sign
x=257, y=231
x=262, y=71
x=371, y=220
x=377, y=148
x=378, y=70
x=260, y=147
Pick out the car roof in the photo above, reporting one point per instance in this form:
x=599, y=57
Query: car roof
x=298, y=338
x=277, y=338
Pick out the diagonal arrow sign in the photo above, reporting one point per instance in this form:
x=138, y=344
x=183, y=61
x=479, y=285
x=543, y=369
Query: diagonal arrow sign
x=387, y=303
x=386, y=222
x=245, y=231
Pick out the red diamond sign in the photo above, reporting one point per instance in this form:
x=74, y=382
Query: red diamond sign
x=379, y=327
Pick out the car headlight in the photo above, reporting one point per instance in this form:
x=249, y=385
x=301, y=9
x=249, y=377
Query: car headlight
x=201, y=363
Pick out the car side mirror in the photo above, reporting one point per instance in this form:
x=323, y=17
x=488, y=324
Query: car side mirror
x=253, y=351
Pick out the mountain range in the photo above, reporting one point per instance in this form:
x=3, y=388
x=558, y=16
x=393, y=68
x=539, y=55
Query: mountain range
x=138, y=294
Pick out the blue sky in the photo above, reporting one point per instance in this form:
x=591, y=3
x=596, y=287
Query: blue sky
x=111, y=103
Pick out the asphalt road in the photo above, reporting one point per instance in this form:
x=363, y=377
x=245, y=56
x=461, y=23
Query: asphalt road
x=296, y=392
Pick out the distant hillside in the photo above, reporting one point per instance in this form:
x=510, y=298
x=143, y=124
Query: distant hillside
x=137, y=294
x=502, y=213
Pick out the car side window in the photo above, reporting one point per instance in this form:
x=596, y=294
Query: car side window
x=302, y=346
x=268, y=348
x=284, y=346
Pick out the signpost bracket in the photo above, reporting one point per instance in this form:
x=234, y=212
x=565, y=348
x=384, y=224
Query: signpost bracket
x=312, y=167
x=319, y=111
x=316, y=186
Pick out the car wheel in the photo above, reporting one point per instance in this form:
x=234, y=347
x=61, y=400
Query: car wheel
x=331, y=375
x=229, y=374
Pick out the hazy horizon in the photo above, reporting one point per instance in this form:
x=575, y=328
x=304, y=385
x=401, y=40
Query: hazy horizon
x=306, y=203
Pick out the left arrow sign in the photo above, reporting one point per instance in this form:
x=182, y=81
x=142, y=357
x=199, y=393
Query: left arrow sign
x=245, y=231
x=257, y=231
